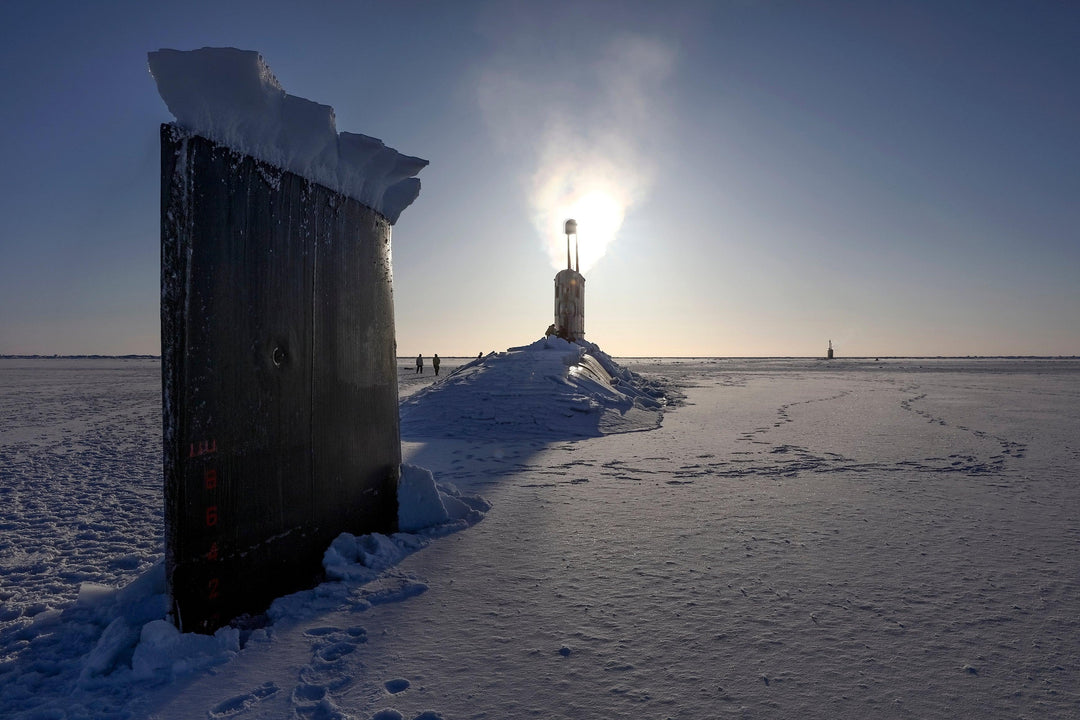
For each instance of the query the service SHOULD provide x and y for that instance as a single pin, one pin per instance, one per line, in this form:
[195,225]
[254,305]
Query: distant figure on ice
[419,363]
[435,363]
[479,354]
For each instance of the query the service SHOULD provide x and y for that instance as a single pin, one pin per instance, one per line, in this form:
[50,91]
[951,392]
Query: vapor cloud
[583,130]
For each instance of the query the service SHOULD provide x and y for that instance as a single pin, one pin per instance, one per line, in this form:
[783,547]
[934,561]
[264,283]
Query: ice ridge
[230,96]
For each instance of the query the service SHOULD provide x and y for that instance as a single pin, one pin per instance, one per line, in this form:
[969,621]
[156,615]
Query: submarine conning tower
[570,294]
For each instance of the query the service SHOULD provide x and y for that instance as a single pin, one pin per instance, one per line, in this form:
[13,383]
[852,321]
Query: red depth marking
[203,447]
[210,519]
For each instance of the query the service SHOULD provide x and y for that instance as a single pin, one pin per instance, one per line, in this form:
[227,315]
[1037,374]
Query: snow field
[799,539]
[80,478]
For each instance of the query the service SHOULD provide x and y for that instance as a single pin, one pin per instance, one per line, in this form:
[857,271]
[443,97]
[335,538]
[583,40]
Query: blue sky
[900,178]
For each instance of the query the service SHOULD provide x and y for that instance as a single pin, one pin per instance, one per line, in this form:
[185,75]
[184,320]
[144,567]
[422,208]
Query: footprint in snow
[304,694]
[396,685]
[327,672]
[391,714]
[237,704]
[335,651]
[320,631]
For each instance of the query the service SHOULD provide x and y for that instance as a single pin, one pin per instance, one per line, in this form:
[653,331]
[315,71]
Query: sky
[749,178]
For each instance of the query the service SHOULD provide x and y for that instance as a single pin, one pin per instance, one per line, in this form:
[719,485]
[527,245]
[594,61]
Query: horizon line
[136,356]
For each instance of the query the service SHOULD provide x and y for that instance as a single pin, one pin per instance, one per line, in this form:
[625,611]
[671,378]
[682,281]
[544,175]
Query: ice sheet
[799,539]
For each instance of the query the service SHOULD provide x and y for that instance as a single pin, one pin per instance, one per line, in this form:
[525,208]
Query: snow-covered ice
[551,389]
[797,538]
[231,97]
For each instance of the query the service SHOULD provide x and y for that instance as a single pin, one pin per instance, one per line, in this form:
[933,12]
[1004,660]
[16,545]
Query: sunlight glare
[599,209]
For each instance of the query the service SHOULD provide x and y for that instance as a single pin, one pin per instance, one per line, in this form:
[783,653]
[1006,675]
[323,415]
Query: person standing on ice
[419,364]
[435,363]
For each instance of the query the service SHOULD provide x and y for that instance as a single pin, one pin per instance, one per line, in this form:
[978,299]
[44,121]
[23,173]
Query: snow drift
[551,389]
[231,97]
[111,642]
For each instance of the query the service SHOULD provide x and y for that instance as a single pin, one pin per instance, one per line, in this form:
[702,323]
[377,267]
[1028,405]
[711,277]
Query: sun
[599,214]
[599,217]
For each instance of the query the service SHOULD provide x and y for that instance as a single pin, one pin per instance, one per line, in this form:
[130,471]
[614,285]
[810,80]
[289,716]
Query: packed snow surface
[797,539]
[551,389]
[231,97]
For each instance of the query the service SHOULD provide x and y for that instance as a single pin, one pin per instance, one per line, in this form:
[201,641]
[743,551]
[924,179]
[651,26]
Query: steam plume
[590,158]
